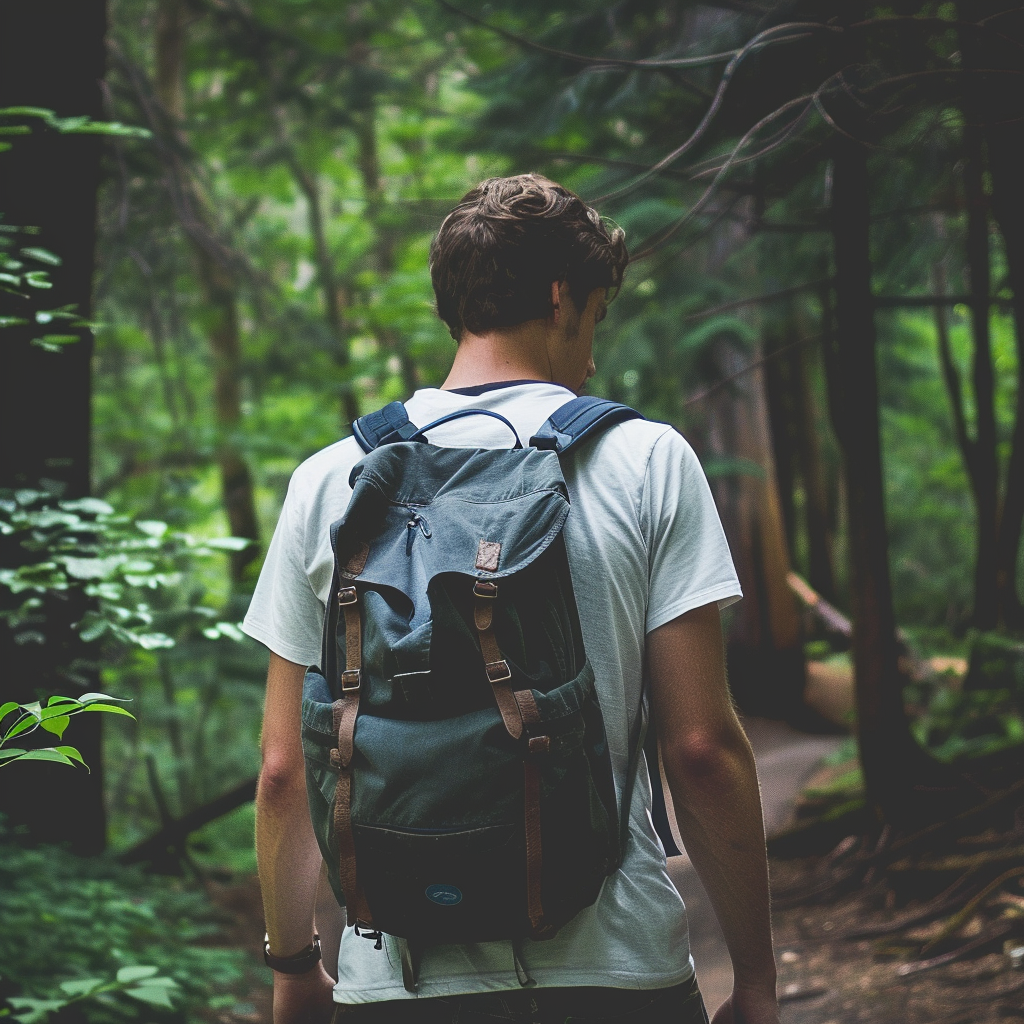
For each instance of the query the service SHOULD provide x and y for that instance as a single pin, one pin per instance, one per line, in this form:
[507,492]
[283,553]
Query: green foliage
[19,278]
[24,719]
[142,983]
[89,920]
[115,561]
[970,723]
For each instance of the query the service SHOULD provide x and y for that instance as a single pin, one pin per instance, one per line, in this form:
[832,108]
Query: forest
[215,217]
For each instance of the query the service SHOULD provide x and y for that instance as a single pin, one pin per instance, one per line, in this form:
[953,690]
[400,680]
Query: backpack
[459,778]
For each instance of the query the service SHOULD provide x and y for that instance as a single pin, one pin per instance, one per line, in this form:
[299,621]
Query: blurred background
[214,234]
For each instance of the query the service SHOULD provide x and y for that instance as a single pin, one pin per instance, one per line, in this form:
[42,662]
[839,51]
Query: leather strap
[346,711]
[499,675]
[538,749]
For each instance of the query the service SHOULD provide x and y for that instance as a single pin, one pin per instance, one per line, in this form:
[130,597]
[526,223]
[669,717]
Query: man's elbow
[706,761]
[282,779]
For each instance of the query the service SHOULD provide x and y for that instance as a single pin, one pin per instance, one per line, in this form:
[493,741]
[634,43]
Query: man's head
[498,253]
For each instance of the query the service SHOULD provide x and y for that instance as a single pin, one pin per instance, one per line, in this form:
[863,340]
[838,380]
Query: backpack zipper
[416,521]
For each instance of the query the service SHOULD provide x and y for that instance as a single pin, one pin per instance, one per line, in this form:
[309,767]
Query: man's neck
[520,353]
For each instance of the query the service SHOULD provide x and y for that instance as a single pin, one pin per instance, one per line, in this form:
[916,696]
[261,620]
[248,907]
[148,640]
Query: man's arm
[713,783]
[286,849]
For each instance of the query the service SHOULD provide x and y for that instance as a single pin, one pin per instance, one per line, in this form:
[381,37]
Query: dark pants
[681,1004]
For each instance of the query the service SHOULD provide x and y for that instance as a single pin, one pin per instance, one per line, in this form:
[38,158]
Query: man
[521,271]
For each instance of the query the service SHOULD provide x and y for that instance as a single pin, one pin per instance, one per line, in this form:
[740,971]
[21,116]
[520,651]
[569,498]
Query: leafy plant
[115,561]
[90,920]
[143,983]
[54,718]
[25,268]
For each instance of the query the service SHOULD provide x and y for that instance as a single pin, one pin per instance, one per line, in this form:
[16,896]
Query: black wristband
[300,963]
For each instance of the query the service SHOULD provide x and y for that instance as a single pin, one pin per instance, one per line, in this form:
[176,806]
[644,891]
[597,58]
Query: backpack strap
[345,713]
[578,419]
[385,426]
[566,426]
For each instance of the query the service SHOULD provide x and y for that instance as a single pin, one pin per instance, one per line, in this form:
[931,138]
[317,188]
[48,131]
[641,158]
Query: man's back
[644,546]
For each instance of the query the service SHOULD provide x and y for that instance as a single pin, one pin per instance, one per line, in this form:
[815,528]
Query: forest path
[786,759]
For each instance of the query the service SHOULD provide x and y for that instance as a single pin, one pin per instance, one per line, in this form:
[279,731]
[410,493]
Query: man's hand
[303,998]
[745,1006]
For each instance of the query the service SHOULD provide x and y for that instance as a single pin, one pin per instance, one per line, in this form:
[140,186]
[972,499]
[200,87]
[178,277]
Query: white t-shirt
[645,545]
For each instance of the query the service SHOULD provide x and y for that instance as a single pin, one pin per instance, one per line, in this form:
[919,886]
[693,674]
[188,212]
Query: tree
[52,56]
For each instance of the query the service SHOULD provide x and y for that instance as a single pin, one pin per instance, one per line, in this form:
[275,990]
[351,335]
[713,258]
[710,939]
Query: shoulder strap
[385,426]
[577,419]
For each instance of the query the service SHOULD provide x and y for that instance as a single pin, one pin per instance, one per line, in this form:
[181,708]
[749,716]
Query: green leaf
[42,256]
[11,279]
[136,973]
[45,754]
[91,698]
[10,753]
[12,321]
[151,994]
[228,543]
[15,129]
[34,1011]
[26,112]
[151,527]
[73,754]
[109,708]
[55,342]
[81,986]
[25,724]
[95,506]
[6,709]
[58,699]
[56,710]
[38,279]
[56,725]
[92,568]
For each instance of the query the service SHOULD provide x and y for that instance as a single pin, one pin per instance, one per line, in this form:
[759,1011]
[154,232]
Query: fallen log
[170,840]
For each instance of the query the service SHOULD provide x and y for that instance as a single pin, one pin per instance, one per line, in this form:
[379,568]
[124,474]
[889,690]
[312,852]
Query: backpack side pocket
[318,740]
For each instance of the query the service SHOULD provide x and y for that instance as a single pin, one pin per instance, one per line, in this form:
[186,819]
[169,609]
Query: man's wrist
[298,963]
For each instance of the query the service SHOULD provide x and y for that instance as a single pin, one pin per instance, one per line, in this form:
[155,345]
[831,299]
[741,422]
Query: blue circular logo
[443,895]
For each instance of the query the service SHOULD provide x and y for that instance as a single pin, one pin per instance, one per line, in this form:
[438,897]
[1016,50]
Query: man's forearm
[289,862]
[713,785]
[718,810]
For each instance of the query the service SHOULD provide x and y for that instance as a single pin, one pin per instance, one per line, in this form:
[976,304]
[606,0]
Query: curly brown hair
[497,253]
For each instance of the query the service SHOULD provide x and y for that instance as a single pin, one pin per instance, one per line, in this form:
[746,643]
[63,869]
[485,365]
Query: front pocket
[444,886]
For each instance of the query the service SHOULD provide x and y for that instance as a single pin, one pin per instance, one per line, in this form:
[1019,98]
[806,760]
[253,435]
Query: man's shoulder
[328,469]
[640,446]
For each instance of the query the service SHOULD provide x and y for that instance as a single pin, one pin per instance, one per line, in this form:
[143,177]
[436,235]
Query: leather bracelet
[300,963]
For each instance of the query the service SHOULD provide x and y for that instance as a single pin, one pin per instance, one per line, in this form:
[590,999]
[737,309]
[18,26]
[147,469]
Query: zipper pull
[416,520]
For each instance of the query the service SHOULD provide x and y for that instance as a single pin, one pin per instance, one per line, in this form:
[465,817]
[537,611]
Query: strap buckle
[347,595]
[498,671]
[485,588]
[350,679]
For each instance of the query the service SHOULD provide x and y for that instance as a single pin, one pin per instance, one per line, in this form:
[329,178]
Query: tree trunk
[329,286]
[1006,160]
[51,56]
[765,651]
[980,453]
[891,759]
[218,281]
[820,569]
[383,255]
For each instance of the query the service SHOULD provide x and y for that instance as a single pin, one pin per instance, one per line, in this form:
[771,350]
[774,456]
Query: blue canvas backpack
[458,772]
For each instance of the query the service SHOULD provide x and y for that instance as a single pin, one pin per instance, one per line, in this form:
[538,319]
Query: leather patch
[487,554]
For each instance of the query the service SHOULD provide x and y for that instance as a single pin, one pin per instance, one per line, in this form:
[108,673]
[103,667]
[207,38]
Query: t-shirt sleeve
[285,614]
[689,561]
